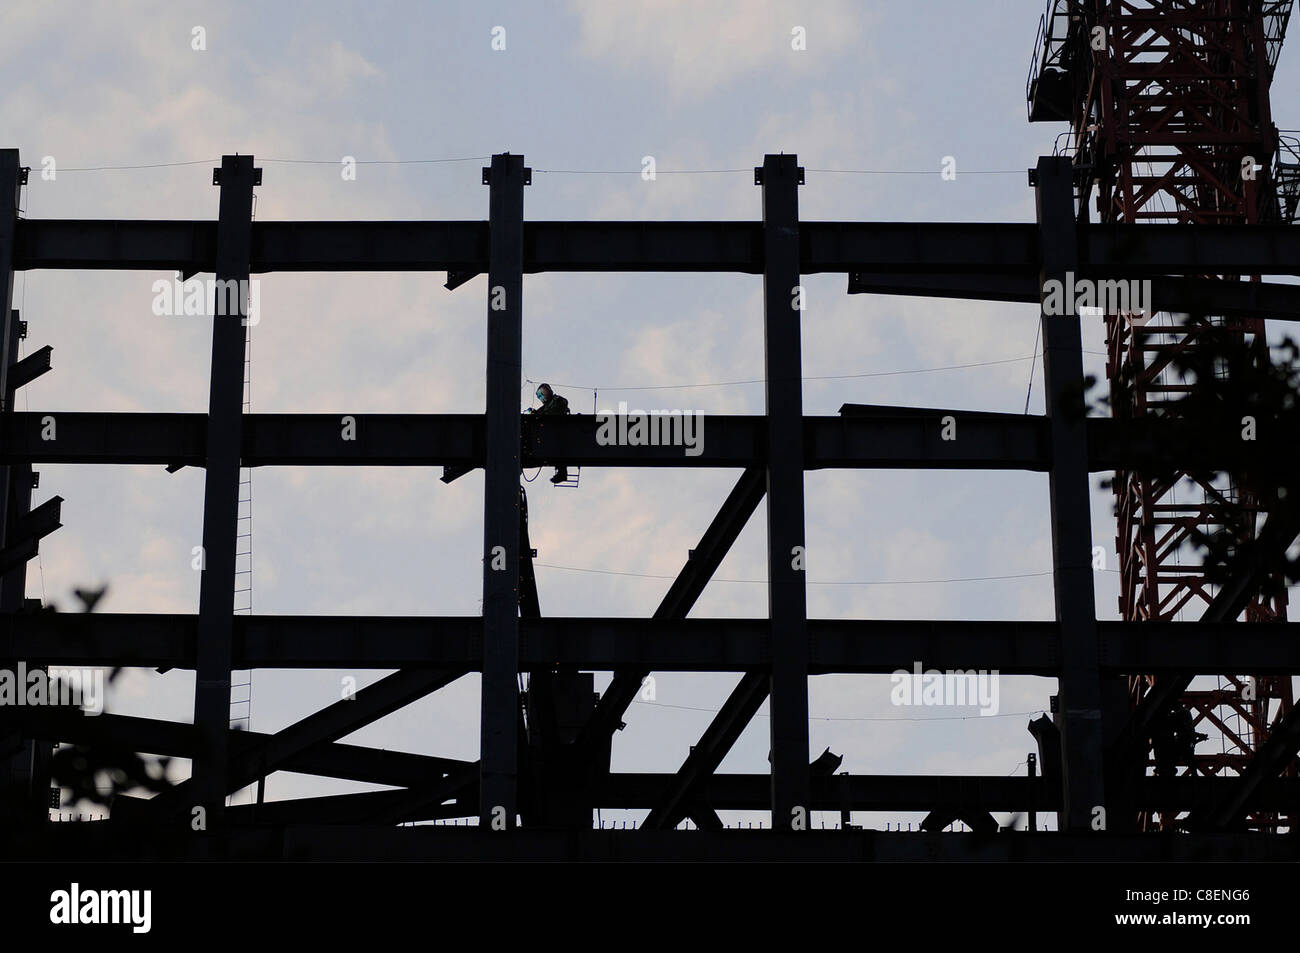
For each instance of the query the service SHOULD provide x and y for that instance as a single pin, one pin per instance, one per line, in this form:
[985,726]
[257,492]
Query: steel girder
[993,260]
[432,777]
[914,248]
[861,437]
[874,646]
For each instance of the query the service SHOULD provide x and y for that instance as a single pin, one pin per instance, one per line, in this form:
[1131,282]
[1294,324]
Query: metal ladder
[241,682]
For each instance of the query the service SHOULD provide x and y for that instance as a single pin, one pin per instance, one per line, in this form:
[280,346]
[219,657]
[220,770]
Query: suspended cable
[819,377]
[379,161]
[763,714]
[811,582]
[825,377]
[1037,335]
[748,170]
[126,168]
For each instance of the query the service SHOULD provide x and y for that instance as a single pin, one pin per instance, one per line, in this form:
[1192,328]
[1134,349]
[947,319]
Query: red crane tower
[1170,122]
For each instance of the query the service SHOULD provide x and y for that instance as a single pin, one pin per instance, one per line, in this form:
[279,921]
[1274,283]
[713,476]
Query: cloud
[699,48]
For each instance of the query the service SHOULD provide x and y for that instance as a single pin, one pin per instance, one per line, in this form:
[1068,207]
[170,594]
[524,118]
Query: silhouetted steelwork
[545,750]
[221,495]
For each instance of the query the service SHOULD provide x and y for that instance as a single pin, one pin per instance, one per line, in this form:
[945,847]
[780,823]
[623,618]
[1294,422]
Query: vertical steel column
[1080,683]
[10,189]
[16,479]
[19,769]
[780,177]
[31,766]
[221,493]
[499,733]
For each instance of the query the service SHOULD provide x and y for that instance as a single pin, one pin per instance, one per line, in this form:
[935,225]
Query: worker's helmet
[544,392]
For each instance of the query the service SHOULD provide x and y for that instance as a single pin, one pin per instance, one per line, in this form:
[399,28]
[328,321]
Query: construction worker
[552,403]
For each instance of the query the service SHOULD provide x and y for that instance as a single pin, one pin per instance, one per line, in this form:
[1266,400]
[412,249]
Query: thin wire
[742,171]
[749,171]
[1037,335]
[825,377]
[380,161]
[123,168]
[866,582]
[763,714]
[171,165]
[821,377]
[870,582]
[920,171]
[522,473]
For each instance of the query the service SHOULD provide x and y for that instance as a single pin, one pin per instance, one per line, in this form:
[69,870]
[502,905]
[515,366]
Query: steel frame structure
[544,761]
[1170,121]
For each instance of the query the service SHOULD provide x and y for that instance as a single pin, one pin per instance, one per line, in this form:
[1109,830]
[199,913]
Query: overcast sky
[581,89]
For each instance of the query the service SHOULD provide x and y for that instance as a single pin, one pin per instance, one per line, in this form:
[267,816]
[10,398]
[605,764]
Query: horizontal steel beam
[1135,251]
[862,437]
[369,439]
[1256,299]
[94,244]
[751,792]
[641,790]
[369,246]
[268,439]
[1018,288]
[1009,442]
[75,437]
[841,247]
[670,645]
